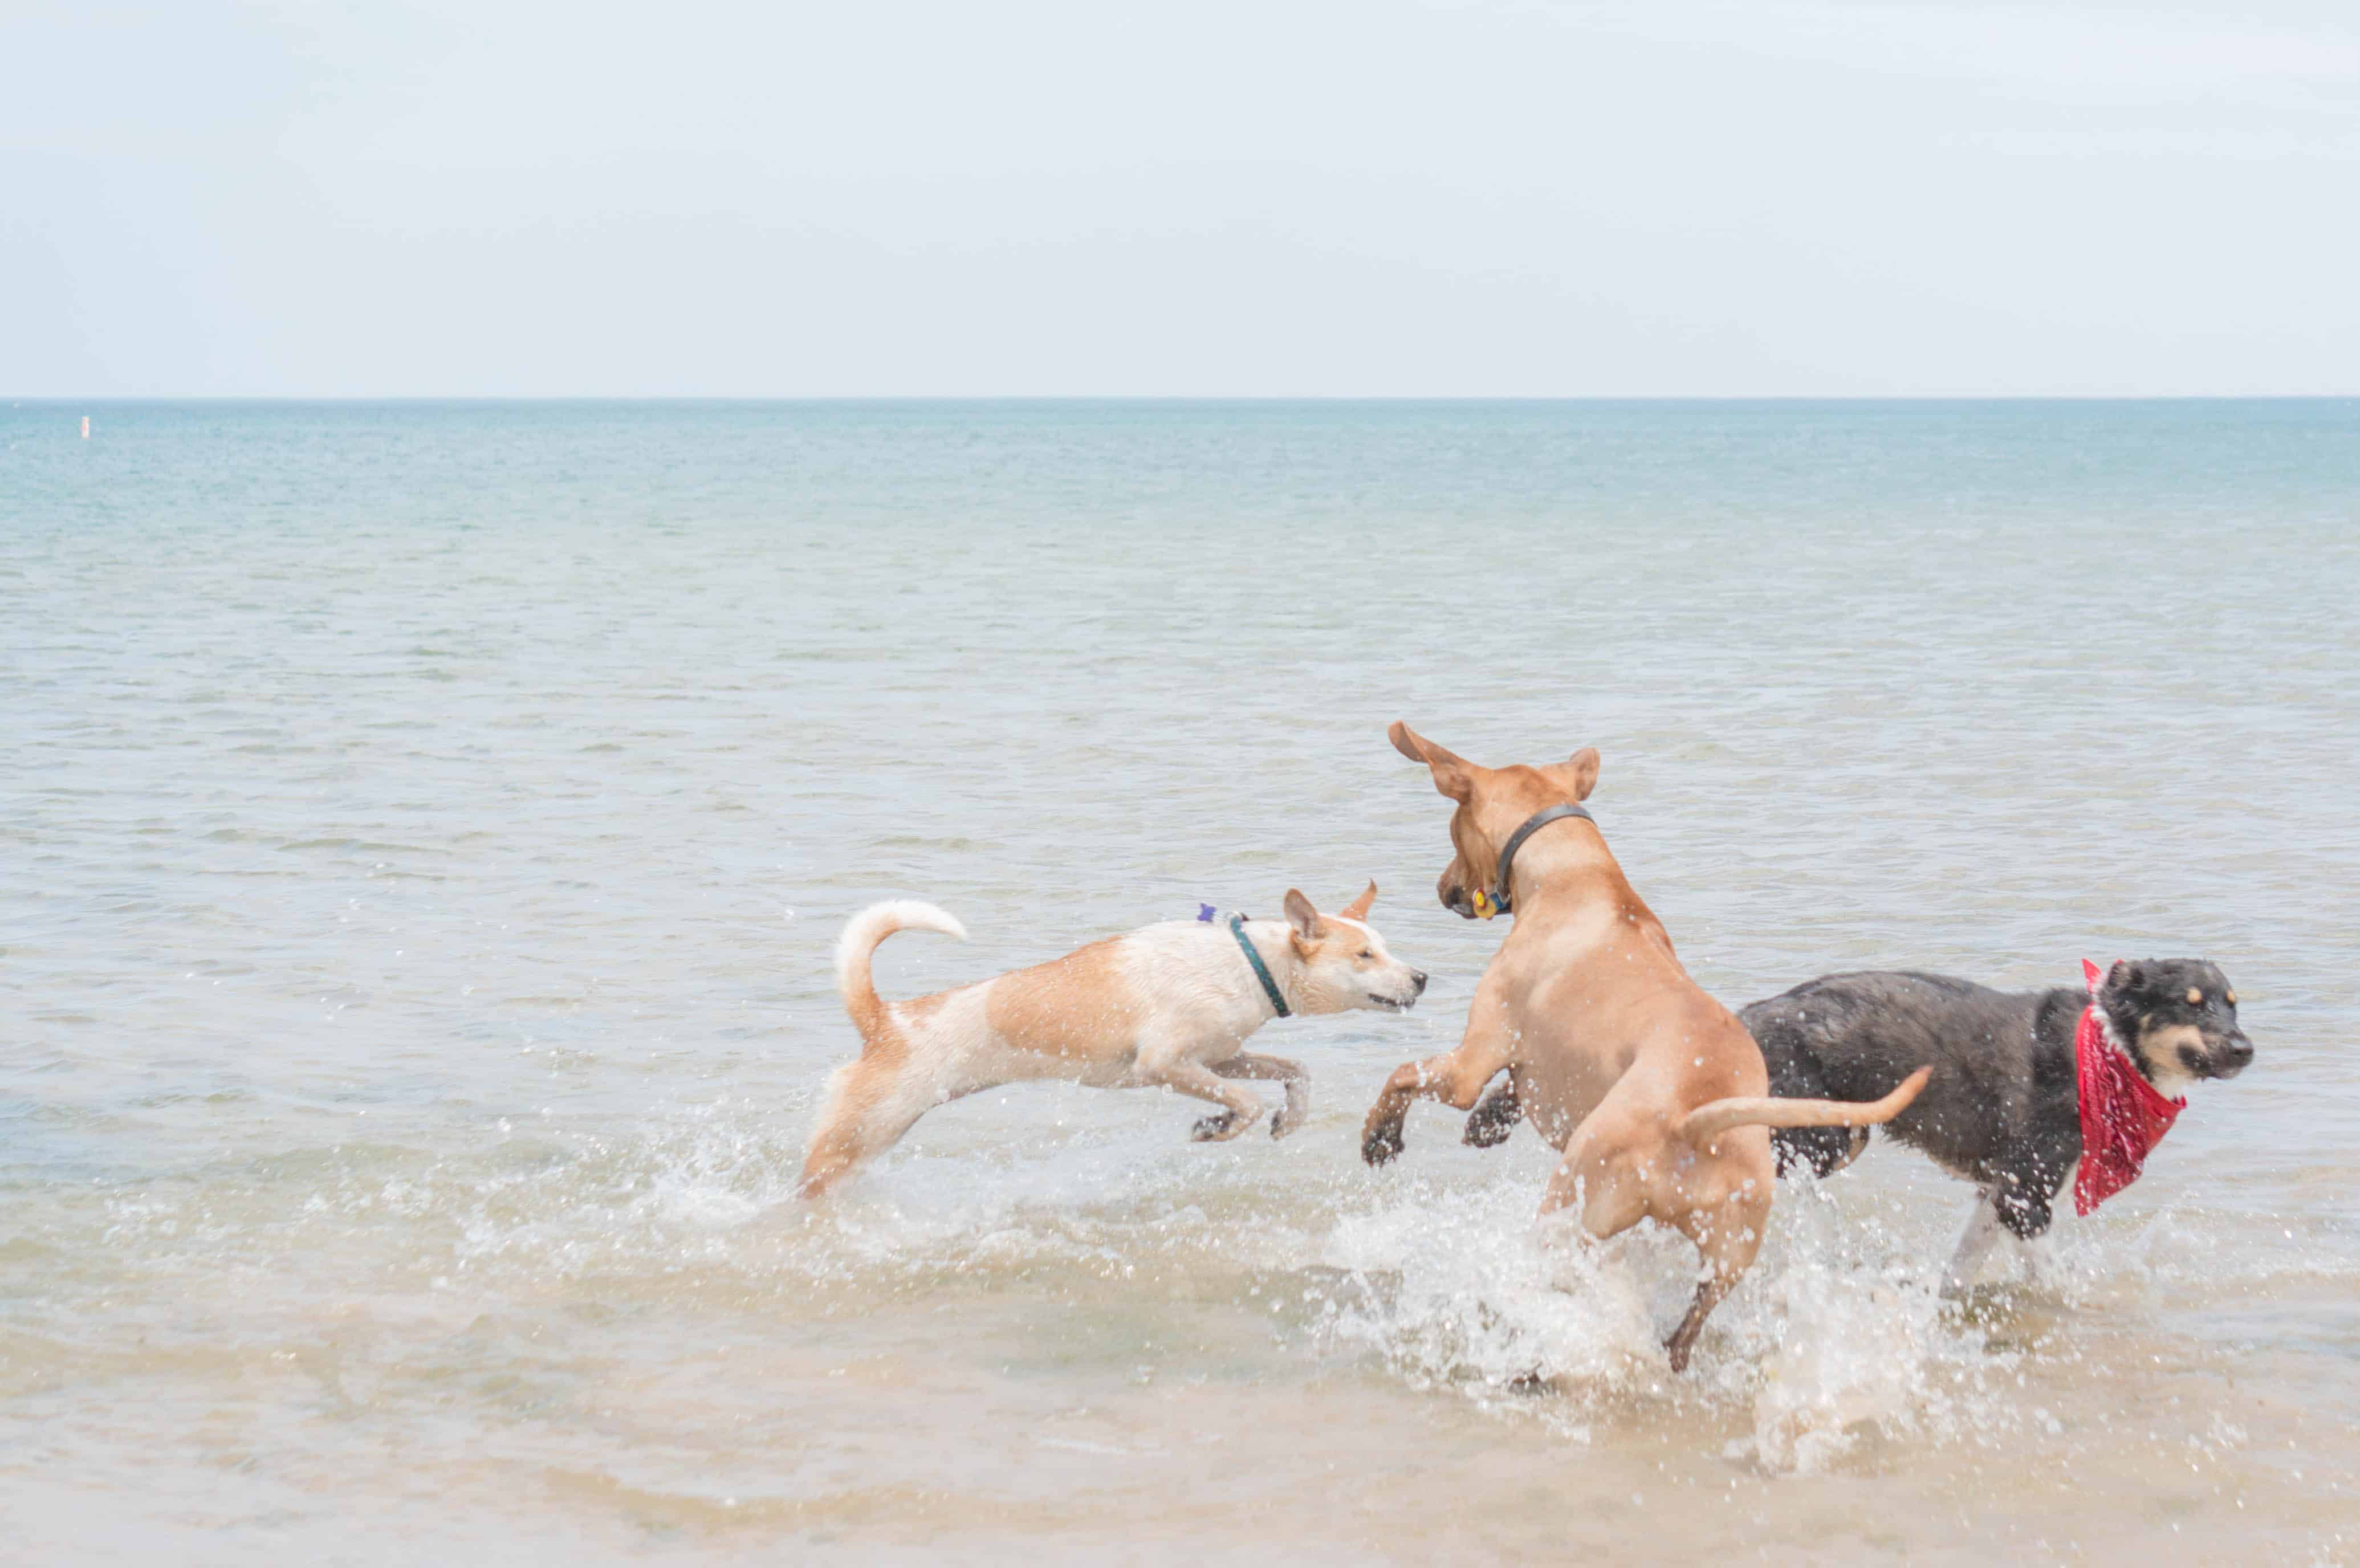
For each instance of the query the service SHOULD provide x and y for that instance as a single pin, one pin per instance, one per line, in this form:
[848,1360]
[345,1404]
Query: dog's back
[2003,1063]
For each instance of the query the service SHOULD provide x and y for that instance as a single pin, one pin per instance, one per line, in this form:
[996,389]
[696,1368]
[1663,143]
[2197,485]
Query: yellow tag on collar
[1483,904]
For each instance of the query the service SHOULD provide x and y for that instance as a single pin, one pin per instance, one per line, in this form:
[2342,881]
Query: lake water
[425,828]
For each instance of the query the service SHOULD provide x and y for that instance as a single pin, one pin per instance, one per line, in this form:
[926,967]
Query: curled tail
[1717,1116]
[861,934]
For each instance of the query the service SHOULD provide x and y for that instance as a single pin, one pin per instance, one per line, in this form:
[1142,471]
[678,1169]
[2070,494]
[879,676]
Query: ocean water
[424,828]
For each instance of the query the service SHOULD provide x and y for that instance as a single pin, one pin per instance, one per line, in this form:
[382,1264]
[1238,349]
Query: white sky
[1362,197]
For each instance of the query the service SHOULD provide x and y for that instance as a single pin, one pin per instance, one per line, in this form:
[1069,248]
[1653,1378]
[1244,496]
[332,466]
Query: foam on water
[1835,1344]
[1836,1335]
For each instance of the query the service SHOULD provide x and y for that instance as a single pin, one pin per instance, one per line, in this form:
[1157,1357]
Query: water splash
[1836,1345]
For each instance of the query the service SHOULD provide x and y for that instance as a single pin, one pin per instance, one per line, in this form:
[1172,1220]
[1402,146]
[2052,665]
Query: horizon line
[19,401]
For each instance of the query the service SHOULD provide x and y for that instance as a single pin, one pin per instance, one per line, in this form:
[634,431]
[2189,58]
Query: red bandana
[2122,1116]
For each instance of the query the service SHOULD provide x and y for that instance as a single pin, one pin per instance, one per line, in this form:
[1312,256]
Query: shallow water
[425,827]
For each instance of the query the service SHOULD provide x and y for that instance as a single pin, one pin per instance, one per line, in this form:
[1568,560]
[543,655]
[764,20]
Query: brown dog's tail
[861,934]
[1717,1116]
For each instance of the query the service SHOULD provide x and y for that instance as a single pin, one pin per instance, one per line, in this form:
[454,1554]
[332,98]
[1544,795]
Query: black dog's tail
[1717,1116]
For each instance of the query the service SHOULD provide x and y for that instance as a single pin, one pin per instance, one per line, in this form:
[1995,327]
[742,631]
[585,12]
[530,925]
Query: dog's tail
[861,934]
[1717,1116]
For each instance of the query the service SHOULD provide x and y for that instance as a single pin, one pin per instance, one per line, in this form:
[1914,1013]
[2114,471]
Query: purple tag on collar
[1204,913]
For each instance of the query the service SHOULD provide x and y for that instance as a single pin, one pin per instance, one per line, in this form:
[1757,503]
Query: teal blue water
[425,826]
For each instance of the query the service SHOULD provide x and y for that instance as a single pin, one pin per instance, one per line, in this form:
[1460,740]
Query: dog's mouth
[2223,1061]
[1394,1004]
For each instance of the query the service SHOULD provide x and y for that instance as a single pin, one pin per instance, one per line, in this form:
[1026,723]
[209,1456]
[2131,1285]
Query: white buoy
[85,427]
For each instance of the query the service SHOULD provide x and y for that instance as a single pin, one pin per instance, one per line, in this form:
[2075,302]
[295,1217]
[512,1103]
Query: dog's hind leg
[1194,1078]
[869,1107]
[1617,1171]
[1245,1065]
[1725,1215]
[1975,1245]
[1729,1234]
[1489,1123]
[1607,1197]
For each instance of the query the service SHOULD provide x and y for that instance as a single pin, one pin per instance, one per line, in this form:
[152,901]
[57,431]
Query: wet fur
[1652,1092]
[2003,1110]
[1167,1006]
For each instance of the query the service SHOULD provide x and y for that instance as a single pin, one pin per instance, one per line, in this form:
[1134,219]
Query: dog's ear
[1578,772]
[1302,916]
[1357,910]
[2124,976]
[1453,774]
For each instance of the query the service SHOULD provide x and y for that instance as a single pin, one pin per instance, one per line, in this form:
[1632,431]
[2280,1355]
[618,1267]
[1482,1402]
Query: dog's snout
[1417,984]
[2236,1054]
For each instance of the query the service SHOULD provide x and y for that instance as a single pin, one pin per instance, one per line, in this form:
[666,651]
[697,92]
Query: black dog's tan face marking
[2179,1017]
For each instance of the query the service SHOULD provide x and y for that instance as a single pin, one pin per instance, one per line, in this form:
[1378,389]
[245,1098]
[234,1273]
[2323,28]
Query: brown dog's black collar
[1502,900]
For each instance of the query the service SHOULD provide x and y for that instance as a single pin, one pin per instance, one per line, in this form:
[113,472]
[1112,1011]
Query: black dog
[2003,1110]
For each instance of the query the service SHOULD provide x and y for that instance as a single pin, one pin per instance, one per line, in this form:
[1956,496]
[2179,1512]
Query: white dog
[1168,1005]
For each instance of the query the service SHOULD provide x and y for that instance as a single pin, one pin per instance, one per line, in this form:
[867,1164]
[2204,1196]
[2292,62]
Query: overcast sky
[1362,197]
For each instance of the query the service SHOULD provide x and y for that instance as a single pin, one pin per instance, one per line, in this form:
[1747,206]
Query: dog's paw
[1486,1132]
[1490,1124]
[1224,1127]
[1380,1147]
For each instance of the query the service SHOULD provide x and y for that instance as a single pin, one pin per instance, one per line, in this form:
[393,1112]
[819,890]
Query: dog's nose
[1417,984]
[2236,1053]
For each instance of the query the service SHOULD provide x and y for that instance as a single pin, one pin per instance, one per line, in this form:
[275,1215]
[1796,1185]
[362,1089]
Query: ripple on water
[318,706]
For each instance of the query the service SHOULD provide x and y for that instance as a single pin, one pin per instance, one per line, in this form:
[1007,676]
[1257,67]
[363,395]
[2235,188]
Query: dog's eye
[1366,953]
[2195,996]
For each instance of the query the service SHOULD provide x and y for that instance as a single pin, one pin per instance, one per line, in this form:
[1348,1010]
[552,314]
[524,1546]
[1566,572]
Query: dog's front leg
[1975,1244]
[1456,1079]
[2041,1269]
[1489,1124]
[1194,1078]
[1245,1065]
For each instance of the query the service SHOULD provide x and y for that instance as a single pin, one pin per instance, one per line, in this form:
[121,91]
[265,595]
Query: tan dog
[1167,1004]
[1656,1095]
